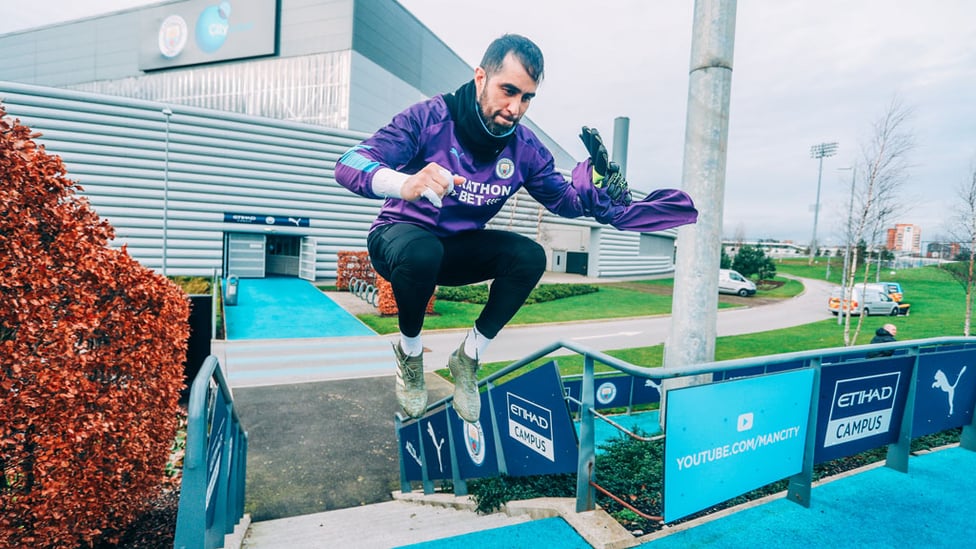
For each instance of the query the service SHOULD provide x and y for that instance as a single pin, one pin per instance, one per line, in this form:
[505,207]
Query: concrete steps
[379,526]
[261,362]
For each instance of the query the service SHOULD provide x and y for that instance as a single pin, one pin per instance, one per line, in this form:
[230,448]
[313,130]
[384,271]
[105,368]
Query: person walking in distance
[445,167]
[884,334]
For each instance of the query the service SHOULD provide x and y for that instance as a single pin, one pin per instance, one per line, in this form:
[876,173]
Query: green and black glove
[605,173]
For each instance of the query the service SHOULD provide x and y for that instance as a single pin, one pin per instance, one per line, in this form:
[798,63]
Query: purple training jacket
[424,133]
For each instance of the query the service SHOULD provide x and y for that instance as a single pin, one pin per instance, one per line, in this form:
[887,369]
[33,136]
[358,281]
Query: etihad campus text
[742,446]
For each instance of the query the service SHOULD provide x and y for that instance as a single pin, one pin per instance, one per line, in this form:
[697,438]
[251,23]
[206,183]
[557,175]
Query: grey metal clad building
[207,132]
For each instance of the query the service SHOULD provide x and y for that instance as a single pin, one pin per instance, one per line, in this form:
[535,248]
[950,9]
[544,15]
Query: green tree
[751,260]
[725,262]
[767,269]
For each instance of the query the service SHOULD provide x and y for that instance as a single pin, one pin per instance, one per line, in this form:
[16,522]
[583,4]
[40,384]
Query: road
[516,342]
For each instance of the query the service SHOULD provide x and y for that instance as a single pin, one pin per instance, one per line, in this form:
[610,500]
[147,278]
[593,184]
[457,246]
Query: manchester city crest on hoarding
[474,441]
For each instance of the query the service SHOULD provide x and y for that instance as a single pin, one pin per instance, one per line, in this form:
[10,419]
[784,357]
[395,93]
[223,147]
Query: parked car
[893,289]
[731,282]
[864,299]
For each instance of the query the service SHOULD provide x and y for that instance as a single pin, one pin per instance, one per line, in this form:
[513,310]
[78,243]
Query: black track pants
[415,261]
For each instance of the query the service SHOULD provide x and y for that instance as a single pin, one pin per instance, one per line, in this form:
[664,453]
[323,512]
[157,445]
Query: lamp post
[847,248]
[819,152]
[168,113]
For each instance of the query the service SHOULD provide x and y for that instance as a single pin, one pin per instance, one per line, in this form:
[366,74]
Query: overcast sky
[804,72]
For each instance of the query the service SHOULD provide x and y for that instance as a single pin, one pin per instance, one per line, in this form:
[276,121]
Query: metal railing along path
[214,467]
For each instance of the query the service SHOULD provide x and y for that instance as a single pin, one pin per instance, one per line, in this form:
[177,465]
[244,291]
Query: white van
[731,282]
[869,299]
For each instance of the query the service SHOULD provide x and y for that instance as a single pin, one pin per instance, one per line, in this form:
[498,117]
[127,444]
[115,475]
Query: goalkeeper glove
[606,174]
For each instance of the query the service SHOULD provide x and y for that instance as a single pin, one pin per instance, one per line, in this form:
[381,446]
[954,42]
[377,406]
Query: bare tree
[740,235]
[964,230]
[875,200]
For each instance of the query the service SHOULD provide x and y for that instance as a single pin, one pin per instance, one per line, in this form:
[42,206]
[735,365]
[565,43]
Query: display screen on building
[205,31]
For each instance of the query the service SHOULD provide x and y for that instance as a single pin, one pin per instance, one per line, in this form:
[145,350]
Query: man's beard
[494,128]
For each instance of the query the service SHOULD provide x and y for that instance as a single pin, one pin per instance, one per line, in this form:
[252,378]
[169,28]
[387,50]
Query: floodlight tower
[819,152]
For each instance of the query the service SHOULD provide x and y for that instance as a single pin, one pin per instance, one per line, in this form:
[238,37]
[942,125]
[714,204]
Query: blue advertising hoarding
[946,391]
[861,406]
[617,391]
[537,433]
[434,437]
[646,390]
[725,439]
[474,444]
[410,451]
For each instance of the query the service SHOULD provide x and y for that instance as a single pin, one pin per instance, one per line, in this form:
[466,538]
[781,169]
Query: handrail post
[801,484]
[425,482]
[496,432]
[404,483]
[585,472]
[899,451]
[240,478]
[460,485]
[968,438]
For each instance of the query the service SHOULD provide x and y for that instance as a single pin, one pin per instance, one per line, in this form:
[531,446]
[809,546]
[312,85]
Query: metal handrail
[212,491]
[613,423]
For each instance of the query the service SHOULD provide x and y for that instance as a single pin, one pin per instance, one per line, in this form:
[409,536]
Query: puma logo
[942,382]
[433,439]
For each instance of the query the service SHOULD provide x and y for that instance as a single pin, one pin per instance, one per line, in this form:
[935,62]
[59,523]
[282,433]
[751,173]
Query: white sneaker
[467,400]
[411,390]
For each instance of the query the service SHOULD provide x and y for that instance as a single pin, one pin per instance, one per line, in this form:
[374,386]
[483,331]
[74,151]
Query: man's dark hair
[524,49]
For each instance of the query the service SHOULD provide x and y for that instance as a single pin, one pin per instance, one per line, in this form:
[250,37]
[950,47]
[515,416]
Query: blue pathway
[930,506]
[285,308]
[648,423]
[551,533]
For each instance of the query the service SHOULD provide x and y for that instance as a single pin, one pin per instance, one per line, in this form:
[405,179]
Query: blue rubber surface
[930,506]
[285,308]
[647,422]
[551,533]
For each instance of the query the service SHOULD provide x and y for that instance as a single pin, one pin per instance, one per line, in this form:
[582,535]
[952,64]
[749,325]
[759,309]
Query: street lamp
[168,113]
[819,152]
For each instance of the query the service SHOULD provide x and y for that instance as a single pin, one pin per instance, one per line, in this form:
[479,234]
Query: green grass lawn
[610,302]
[937,302]
[938,308]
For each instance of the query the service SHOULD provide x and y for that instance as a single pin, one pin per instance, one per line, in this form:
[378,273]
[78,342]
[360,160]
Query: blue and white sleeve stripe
[353,159]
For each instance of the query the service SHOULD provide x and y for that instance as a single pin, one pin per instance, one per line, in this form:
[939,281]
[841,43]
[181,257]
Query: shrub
[551,292]
[491,493]
[193,285]
[752,260]
[91,361]
[634,471]
[478,293]
[472,293]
